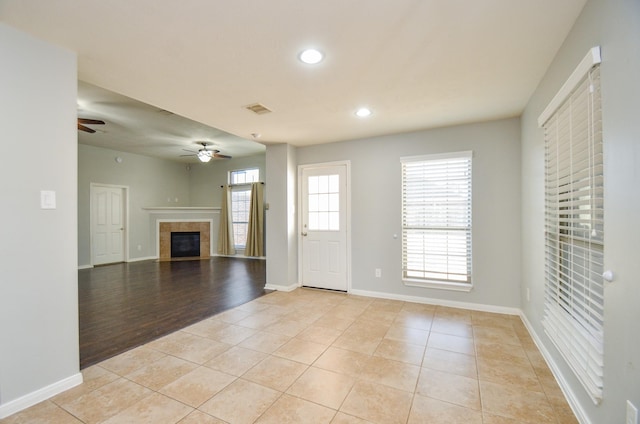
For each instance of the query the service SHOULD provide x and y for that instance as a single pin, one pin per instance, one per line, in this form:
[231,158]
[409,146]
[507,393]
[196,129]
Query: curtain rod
[242,184]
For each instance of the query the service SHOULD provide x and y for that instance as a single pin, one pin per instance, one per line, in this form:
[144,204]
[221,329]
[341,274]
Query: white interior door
[107,224]
[324,226]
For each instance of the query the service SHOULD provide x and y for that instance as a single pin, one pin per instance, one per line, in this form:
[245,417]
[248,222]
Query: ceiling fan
[205,154]
[84,121]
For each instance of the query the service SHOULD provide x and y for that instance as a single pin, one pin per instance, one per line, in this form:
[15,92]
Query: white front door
[107,224]
[324,226]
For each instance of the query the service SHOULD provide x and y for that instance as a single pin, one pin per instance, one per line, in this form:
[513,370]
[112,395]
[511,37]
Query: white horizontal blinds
[436,218]
[240,203]
[574,209]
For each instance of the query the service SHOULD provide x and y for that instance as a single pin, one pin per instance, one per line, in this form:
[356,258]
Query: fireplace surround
[166,228]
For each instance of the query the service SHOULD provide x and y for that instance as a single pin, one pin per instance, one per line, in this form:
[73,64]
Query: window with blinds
[240,181]
[574,237]
[436,220]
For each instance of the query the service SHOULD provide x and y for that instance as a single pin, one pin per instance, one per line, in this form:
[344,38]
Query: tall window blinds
[574,221]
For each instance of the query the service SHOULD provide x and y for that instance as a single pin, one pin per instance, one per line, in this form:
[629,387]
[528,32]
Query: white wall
[151,182]
[376,217]
[615,26]
[280,220]
[38,253]
[206,178]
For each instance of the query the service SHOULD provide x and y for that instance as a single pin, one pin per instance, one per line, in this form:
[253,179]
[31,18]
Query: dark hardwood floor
[125,305]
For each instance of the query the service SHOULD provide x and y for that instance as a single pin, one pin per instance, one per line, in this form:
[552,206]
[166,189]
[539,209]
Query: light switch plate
[47,199]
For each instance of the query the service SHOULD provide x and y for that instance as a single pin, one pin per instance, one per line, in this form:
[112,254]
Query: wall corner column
[281,219]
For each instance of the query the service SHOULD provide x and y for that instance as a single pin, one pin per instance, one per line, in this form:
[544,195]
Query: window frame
[233,172]
[458,218]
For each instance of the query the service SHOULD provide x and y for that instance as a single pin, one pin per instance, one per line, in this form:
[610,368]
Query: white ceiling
[416,63]
[136,127]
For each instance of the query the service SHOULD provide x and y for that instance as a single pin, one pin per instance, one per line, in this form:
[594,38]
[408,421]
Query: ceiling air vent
[258,109]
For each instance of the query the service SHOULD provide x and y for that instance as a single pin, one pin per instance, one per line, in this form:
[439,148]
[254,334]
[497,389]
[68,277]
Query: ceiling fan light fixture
[204,155]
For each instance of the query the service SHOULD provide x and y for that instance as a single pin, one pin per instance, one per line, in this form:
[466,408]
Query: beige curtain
[255,232]
[225,231]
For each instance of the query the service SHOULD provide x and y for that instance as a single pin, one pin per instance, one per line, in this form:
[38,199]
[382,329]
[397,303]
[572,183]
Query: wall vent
[258,109]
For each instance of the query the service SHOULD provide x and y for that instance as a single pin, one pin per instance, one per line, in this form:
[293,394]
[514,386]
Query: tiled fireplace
[166,228]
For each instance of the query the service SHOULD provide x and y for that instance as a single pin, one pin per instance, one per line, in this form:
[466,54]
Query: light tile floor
[311,356]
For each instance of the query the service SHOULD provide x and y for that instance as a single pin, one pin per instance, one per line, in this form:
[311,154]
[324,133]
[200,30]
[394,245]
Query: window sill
[442,285]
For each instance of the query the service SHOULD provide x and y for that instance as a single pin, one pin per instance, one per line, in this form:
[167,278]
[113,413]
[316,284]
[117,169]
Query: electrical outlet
[528,295]
[378,273]
[632,413]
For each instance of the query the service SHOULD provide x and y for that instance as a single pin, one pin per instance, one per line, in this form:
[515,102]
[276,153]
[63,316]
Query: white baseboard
[277,287]
[39,395]
[262,258]
[146,258]
[562,382]
[152,258]
[439,302]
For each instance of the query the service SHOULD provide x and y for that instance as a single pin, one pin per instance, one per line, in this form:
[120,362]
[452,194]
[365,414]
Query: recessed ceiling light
[363,112]
[311,56]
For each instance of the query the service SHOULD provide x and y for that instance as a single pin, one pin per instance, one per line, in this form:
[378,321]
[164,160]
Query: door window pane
[323,202]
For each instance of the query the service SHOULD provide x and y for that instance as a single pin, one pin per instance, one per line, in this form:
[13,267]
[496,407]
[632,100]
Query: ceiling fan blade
[216,155]
[190,151]
[187,155]
[90,121]
[85,129]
